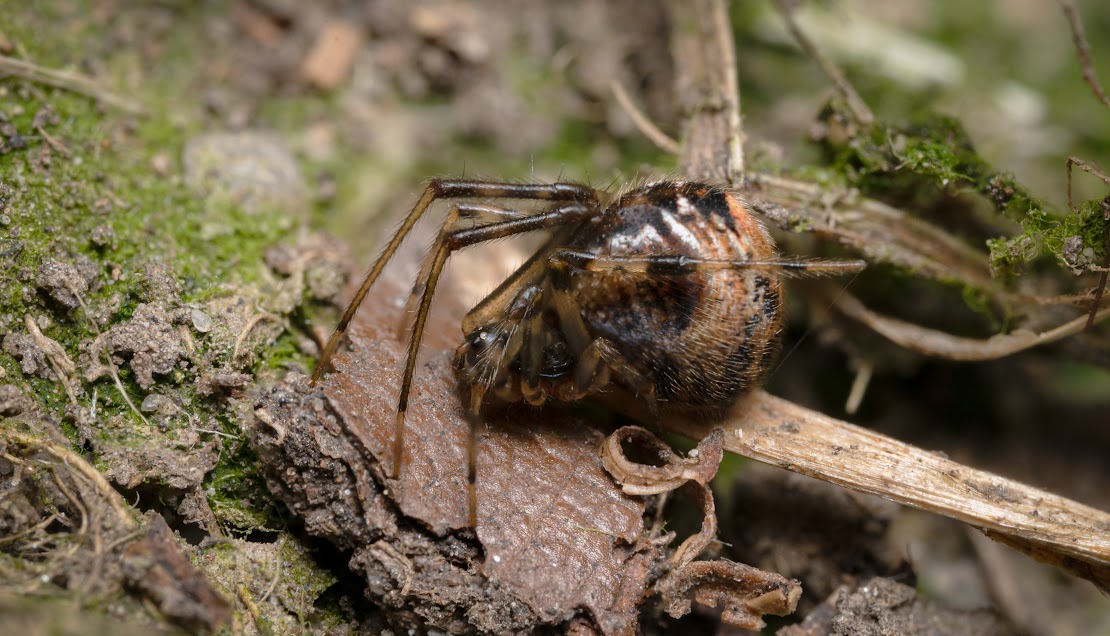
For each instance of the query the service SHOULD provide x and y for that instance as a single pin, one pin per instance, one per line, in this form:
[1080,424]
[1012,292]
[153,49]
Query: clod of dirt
[155,566]
[818,533]
[313,268]
[32,357]
[159,282]
[102,236]
[211,383]
[65,282]
[177,460]
[882,607]
[150,339]
[13,402]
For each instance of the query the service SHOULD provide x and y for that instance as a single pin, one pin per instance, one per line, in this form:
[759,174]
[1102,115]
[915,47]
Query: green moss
[917,165]
[236,492]
[92,191]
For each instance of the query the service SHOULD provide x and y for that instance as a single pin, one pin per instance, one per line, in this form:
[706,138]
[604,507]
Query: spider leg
[531,359]
[450,241]
[480,212]
[599,361]
[667,265]
[444,189]
[1084,166]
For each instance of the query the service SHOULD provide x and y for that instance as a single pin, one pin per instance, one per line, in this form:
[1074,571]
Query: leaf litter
[556,538]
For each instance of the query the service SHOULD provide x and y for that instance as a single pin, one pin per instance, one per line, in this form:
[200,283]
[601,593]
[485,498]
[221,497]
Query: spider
[671,292]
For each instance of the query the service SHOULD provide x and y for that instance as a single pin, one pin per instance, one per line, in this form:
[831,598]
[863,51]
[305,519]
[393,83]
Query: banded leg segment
[451,239]
[444,189]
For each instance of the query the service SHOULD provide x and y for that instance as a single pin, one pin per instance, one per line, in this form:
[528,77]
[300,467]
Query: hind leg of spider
[599,363]
[444,189]
[681,265]
[452,239]
[1097,301]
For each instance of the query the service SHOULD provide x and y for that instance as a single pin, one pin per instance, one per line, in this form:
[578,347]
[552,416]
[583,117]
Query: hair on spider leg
[1090,77]
[671,291]
[1096,302]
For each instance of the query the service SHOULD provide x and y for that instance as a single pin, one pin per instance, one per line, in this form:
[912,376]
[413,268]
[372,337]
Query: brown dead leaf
[556,531]
[554,526]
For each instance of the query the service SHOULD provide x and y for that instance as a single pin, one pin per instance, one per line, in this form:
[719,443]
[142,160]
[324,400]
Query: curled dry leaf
[744,593]
[645,479]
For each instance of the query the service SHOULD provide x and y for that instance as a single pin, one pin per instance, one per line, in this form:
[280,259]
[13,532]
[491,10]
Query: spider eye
[479,341]
[474,348]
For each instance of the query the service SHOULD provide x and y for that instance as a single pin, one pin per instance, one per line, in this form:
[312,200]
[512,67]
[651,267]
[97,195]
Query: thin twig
[256,614]
[277,573]
[1083,49]
[945,345]
[65,80]
[1029,612]
[251,324]
[56,354]
[642,123]
[880,231]
[856,105]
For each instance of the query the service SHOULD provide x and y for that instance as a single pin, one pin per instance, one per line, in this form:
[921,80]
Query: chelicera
[671,292]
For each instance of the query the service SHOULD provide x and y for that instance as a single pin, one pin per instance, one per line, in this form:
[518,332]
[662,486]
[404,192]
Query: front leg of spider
[570,202]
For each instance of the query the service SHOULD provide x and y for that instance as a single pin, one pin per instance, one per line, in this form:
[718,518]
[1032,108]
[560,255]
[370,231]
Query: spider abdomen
[704,337]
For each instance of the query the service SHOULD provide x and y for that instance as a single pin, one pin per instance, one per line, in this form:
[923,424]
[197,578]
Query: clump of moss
[930,162]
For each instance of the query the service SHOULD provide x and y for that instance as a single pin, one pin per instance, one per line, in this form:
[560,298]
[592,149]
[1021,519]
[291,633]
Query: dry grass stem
[65,80]
[772,430]
[707,91]
[932,342]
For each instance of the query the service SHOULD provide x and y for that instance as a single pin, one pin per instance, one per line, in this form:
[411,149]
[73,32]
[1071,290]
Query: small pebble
[202,322]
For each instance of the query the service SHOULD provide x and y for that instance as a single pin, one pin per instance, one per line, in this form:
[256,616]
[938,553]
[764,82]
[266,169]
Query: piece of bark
[156,567]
